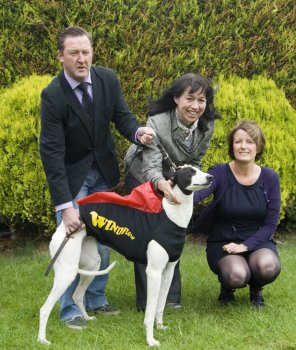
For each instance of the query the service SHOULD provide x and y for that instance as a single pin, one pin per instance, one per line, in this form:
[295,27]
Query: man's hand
[71,219]
[166,188]
[145,135]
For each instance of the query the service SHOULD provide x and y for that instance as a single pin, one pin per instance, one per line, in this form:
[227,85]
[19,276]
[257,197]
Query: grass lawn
[201,323]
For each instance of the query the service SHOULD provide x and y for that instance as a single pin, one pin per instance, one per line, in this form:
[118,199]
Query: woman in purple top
[242,217]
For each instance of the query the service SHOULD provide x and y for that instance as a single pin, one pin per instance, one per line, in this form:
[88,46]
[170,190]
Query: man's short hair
[72,31]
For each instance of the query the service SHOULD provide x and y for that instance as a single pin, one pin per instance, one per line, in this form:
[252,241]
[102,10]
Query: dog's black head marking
[182,177]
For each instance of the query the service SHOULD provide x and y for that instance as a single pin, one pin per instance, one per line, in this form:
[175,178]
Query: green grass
[201,323]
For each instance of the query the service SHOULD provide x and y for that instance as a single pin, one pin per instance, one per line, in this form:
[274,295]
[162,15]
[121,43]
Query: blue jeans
[95,293]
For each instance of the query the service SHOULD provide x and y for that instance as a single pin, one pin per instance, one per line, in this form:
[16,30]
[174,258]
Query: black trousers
[174,295]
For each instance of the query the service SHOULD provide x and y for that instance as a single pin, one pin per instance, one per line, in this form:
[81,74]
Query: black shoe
[76,322]
[173,305]
[226,296]
[106,310]
[256,297]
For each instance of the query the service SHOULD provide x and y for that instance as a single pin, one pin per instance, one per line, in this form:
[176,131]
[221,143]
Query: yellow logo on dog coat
[109,225]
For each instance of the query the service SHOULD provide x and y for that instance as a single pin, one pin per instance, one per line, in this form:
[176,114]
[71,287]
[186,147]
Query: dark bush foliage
[149,43]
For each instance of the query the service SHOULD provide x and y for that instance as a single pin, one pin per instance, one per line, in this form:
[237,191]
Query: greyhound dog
[162,245]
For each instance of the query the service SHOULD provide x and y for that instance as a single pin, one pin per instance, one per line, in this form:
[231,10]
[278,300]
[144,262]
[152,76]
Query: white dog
[80,254]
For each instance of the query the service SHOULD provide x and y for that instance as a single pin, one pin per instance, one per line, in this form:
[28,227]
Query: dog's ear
[173,174]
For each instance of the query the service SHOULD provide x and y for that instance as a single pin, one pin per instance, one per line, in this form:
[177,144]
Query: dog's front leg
[153,286]
[166,281]
[157,260]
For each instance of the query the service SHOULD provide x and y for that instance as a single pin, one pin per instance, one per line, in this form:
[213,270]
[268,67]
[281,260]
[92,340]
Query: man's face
[77,57]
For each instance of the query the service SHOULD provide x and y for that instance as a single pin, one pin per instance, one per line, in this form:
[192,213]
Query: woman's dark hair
[195,82]
[254,131]
[72,31]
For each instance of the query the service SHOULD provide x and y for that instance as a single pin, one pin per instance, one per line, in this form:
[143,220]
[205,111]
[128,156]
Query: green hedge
[24,195]
[151,42]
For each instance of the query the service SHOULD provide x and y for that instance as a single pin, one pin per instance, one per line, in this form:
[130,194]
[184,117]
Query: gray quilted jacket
[145,162]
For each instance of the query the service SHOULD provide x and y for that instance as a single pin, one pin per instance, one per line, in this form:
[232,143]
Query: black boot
[256,297]
[226,296]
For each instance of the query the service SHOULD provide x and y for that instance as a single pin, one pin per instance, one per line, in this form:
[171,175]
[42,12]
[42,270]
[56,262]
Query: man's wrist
[64,206]
[137,136]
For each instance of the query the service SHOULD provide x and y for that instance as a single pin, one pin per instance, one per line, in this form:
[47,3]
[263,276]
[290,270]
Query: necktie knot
[83,87]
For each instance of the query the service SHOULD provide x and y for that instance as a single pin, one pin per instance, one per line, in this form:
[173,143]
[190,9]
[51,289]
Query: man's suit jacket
[68,142]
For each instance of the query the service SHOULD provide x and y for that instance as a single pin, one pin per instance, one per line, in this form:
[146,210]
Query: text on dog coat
[109,225]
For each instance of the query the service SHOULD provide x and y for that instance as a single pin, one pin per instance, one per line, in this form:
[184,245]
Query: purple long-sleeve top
[218,187]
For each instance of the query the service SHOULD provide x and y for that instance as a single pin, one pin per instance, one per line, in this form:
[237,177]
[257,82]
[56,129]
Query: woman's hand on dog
[166,187]
[71,219]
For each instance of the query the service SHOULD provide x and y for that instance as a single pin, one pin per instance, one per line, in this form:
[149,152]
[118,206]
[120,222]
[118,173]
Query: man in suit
[77,149]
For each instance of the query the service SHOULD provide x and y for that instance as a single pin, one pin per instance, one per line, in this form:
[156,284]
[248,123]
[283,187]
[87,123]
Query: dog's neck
[181,213]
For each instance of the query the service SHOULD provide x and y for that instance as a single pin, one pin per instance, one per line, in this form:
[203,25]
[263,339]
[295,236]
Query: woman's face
[191,106]
[244,147]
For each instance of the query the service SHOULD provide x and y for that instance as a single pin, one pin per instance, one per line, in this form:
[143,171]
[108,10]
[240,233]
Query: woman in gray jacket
[183,119]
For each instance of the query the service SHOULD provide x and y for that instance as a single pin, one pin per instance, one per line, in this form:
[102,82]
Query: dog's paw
[153,342]
[161,326]
[44,341]
[90,318]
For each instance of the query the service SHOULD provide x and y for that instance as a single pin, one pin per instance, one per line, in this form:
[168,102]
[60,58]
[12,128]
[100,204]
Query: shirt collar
[74,83]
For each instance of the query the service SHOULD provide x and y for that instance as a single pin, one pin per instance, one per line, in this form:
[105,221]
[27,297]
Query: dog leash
[166,156]
[53,260]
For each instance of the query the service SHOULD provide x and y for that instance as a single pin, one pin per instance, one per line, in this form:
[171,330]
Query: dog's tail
[97,273]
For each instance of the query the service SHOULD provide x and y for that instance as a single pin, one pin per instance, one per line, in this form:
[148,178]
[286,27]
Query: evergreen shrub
[24,195]
[150,42]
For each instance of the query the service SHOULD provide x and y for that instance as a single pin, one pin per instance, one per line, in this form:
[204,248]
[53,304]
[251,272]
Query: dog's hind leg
[90,260]
[157,260]
[65,271]
[78,295]
[166,281]
[61,283]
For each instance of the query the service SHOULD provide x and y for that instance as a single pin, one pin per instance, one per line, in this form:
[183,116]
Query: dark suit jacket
[68,143]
